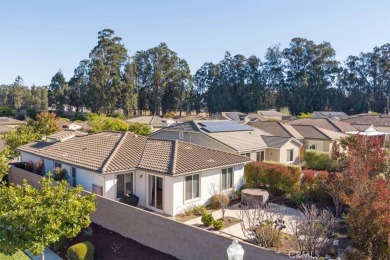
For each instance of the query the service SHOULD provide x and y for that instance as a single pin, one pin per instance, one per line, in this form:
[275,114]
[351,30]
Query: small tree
[23,135]
[3,165]
[311,232]
[263,224]
[333,185]
[33,219]
[223,201]
[140,129]
[46,123]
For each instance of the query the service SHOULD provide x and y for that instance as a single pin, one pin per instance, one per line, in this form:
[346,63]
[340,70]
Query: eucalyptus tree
[78,85]
[128,94]
[160,73]
[311,70]
[106,62]
[58,91]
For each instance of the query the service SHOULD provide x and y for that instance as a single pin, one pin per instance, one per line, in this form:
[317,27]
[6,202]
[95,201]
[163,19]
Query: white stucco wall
[283,153]
[208,180]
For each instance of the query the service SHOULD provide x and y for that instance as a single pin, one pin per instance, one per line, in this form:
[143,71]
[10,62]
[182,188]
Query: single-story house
[156,122]
[319,139]
[337,115]
[381,122]
[8,124]
[168,176]
[232,137]
[324,123]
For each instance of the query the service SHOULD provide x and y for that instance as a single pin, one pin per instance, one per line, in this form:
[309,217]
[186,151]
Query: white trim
[199,189]
[147,193]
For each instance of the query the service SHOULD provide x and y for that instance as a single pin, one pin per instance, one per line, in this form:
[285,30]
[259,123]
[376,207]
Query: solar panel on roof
[224,126]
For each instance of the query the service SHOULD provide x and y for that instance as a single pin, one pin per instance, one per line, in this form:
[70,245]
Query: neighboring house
[319,139]
[156,122]
[64,135]
[235,116]
[324,123]
[235,138]
[69,125]
[330,114]
[270,115]
[10,122]
[280,129]
[381,122]
[168,176]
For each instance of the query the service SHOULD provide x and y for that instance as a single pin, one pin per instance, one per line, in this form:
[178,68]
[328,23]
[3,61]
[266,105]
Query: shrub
[39,167]
[317,160]
[298,198]
[277,178]
[207,219]
[214,202]
[311,185]
[88,231]
[57,246]
[218,224]
[196,210]
[59,174]
[170,115]
[21,117]
[79,116]
[81,251]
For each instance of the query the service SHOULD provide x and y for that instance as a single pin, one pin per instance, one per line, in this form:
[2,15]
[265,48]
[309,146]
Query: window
[57,165]
[192,187]
[260,156]
[227,178]
[290,155]
[124,184]
[246,154]
[181,135]
[73,177]
[316,145]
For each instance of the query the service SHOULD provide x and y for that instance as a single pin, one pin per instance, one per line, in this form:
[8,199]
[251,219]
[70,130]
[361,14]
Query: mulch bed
[104,240]
[229,221]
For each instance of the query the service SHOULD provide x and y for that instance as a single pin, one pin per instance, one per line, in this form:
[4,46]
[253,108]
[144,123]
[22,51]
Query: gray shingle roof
[313,132]
[277,129]
[275,141]
[324,123]
[108,152]
[376,120]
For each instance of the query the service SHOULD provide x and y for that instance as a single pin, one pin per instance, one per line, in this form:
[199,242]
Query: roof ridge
[114,152]
[332,123]
[322,132]
[285,128]
[174,157]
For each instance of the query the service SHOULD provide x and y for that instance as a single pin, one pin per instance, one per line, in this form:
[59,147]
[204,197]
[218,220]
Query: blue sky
[41,37]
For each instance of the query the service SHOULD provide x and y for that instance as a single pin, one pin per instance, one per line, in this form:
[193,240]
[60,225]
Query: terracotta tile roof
[108,152]
[64,135]
[11,121]
[324,123]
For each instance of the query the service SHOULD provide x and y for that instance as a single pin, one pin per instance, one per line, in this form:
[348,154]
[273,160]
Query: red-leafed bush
[276,178]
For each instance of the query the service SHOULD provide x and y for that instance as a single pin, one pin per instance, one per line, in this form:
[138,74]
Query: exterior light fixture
[235,251]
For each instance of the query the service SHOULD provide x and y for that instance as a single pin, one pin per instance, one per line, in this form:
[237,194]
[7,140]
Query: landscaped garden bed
[111,245]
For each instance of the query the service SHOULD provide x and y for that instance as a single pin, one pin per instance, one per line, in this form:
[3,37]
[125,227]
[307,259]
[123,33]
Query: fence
[166,235]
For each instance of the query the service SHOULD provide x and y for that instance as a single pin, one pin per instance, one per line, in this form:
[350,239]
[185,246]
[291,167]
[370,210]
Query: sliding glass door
[155,192]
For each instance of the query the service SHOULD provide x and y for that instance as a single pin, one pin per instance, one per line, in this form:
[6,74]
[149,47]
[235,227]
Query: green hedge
[81,251]
[319,161]
[277,178]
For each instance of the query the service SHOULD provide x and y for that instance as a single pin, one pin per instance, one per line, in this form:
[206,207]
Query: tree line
[304,77]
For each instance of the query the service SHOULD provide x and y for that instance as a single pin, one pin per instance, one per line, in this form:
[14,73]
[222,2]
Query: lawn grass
[17,256]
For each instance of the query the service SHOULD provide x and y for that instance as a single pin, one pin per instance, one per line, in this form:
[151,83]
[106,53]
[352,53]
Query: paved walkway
[49,255]
[235,230]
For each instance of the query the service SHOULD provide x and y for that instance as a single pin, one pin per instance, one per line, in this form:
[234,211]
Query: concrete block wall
[158,232]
